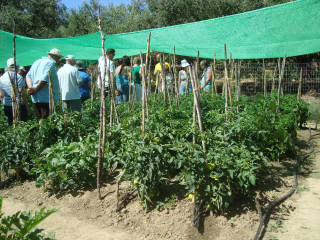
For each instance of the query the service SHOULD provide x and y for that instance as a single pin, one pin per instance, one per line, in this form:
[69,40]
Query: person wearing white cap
[38,82]
[184,78]
[5,92]
[69,81]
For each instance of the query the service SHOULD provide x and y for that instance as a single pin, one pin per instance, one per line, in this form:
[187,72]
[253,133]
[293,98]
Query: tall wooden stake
[299,87]
[237,85]
[264,79]
[102,112]
[213,67]
[281,74]
[163,77]
[226,81]
[15,86]
[175,76]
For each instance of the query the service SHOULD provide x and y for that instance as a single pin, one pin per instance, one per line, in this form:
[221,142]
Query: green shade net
[292,28]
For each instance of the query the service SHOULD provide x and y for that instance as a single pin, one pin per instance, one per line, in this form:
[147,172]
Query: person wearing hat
[184,78]
[85,87]
[22,71]
[69,81]
[6,92]
[38,82]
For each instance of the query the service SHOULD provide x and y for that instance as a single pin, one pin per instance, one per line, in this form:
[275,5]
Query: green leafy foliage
[67,165]
[22,225]
[238,149]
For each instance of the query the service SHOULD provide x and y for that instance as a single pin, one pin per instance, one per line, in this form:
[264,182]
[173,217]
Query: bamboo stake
[229,83]
[130,84]
[51,97]
[175,76]
[280,79]
[112,77]
[148,59]
[264,79]
[213,67]
[197,105]
[13,99]
[232,73]
[143,97]
[102,113]
[239,76]
[197,70]
[299,88]
[226,82]
[273,73]
[149,76]
[18,93]
[163,78]
[92,89]
[237,85]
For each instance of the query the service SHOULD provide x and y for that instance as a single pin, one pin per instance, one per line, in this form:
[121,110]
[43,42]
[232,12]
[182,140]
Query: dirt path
[303,222]
[66,226]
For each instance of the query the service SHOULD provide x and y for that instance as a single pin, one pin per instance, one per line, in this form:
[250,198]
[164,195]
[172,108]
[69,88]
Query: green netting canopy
[293,28]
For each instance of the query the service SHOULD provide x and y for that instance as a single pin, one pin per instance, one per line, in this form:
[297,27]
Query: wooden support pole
[197,69]
[175,76]
[213,67]
[229,83]
[163,78]
[299,87]
[273,73]
[102,113]
[237,85]
[264,79]
[225,82]
[18,93]
[280,79]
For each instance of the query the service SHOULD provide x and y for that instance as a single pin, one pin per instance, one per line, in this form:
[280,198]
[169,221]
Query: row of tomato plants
[62,153]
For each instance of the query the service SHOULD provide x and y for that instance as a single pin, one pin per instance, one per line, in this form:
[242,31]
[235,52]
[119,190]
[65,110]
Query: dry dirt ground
[82,216]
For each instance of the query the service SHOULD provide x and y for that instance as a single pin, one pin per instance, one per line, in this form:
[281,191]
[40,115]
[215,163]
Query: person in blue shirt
[206,81]
[38,82]
[6,92]
[85,87]
[123,72]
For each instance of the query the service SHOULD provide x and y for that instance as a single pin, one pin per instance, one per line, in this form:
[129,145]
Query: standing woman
[136,72]
[123,73]
[183,78]
[6,91]
[206,75]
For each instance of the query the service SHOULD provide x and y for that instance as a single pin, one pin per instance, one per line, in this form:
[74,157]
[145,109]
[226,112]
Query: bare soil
[82,216]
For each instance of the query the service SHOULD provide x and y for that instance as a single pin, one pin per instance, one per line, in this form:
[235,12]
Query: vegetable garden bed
[61,153]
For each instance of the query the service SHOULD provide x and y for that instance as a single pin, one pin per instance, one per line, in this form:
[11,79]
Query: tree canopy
[51,18]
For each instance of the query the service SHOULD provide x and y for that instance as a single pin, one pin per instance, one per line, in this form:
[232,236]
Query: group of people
[123,74]
[75,84]
[70,79]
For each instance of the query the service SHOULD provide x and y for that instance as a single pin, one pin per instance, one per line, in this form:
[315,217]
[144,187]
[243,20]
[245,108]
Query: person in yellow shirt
[158,66]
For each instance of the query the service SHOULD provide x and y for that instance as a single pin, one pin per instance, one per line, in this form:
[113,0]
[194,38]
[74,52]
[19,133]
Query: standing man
[158,66]
[69,81]
[167,71]
[6,92]
[85,87]
[38,82]
[109,67]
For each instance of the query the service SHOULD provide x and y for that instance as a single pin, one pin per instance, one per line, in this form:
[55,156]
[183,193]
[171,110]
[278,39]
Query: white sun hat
[55,52]
[184,63]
